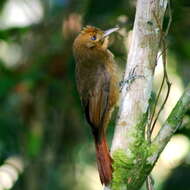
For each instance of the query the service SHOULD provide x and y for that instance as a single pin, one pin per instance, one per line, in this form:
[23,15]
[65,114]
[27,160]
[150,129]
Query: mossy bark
[134,156]
[132,166]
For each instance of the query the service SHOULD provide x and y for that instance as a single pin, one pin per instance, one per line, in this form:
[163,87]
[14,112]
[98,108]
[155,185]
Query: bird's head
[91,37]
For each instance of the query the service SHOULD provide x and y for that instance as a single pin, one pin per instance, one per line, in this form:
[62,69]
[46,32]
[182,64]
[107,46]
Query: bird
[98,87]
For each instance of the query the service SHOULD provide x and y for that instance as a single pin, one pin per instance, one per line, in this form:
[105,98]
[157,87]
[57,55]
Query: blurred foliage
[40,113]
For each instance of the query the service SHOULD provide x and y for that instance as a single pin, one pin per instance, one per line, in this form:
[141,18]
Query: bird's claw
[130,79]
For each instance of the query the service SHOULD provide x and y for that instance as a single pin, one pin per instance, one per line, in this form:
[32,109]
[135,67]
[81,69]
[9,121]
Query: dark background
[41,120]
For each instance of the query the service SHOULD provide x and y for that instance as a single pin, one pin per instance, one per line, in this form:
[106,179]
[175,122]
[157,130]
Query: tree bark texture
[133,155]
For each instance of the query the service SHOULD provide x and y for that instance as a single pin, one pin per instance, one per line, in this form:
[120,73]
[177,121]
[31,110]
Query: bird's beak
[109,31]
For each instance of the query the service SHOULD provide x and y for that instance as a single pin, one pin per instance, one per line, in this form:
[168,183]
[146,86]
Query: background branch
[171,125]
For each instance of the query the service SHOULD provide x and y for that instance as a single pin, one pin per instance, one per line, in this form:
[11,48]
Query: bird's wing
[97,102]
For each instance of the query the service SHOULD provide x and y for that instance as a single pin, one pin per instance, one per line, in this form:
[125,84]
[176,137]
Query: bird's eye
[93,38]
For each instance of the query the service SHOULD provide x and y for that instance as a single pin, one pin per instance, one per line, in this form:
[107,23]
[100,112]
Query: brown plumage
[97,84]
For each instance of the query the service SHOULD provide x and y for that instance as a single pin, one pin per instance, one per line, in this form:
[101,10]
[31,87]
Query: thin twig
[165,76]
[149,184]
[170,18]
[156,102]
[160,90]
[167,94]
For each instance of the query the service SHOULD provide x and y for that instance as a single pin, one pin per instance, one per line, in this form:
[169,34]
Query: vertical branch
[142,57]
[133,155]
[129,147]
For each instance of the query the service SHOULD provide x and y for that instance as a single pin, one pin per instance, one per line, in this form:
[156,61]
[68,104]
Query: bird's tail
[104,160]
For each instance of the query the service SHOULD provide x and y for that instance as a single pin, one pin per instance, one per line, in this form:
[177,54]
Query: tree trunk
[134,156]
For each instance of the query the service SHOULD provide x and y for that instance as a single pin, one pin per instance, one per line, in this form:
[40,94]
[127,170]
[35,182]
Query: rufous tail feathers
[104,160]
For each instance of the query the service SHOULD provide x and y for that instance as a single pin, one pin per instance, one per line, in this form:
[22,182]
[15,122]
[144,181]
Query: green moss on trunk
[130,166]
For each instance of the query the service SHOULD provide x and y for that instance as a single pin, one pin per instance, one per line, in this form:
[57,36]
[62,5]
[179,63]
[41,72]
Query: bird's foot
[130,79]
